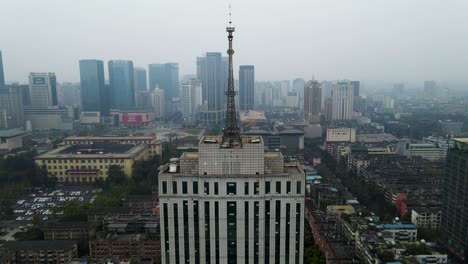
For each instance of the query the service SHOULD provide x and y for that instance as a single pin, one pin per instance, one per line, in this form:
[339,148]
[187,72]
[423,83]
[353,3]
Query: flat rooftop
[95,150]
[110,138]
[40,245]
[218,140]
[251,115]
[9,133]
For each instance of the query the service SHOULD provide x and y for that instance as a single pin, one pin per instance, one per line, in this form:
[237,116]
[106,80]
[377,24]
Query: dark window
[206,188]
[277,230]
[176,232]
[231,233]
[288,187]
[164,187]
[184,187]
[267,232]
[298,230]
[166,232]
[246,188]
[278,187]
[196,227]
[195,187]
[288,232]
[174,187]
[186,231]
[216,188]
[298,187]
[267,187]
[256,188]
[256,232]
[207,232]
[217,231]
[231,188]
[246,232]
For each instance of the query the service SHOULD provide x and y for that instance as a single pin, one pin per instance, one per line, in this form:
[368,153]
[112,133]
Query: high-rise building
[430,89]
[246,87]
[231,202]
[139,79]
[11,107]
[191,99]
[312,101]
[165,76]
[159,103]
[2,74]
[298,85]
[93,92]
[210,72]
[122,92]
[357,96]
[43,89]
[455,194]
[356,86]
[342,101]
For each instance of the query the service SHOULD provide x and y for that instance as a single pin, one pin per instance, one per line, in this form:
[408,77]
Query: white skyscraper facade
[342,95]
[191,99]
[159,103]
[231,205]
[43,89]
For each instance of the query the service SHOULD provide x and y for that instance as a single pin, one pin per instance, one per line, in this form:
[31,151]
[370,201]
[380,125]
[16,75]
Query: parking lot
[45,204]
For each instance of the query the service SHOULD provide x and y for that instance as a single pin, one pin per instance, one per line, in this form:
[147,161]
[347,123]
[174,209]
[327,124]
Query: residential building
[42,251]
[451,127]
[141,204]
[424,150]
[455,209]
[312,101]
[67,231]
[191,99]
[93,90]
[43,89]
[246,87]
[426,217]
[122,90]
[342,95]
[11,107]
[159,103]
[298,85]
[89,162]
[341,134]
[139,78]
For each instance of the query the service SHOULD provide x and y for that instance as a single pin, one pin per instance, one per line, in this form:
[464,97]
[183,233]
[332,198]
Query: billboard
[131,118]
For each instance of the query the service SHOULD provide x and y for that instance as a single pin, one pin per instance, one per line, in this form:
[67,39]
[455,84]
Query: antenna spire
[231,132]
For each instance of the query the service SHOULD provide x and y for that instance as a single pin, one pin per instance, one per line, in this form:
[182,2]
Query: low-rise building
[88,162]
[341,134]
[42,251]
[11,139]
[96,215]
[141,204]
[66,231]
[426,217]
[424,150]
[451,127]
[400,231]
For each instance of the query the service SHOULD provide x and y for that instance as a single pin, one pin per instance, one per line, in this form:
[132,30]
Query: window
[298,187]
[195,187]
[206,188]
[231,188]
[216,188]
[256,188]
[184,187]
[288,187]
[278,187]
[246,188]
[174,187]
[267,187]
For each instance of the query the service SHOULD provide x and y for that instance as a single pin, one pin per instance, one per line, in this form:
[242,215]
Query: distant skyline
[356,40]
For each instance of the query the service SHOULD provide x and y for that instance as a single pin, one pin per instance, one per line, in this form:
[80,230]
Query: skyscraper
[191,99]
[312,101]
[455,196]
[122,92]
[165,76]
[2,74]
[159,103]
[11,107]
[92,83]
[246,87]
[210,72]
[139,78]
[43,89]
[232,202]
[342,95]
[298,86]
[431,89]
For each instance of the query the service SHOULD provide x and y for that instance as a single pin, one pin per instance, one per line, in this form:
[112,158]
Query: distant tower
[2,76]
[246,87]
[231,133]
[43,89]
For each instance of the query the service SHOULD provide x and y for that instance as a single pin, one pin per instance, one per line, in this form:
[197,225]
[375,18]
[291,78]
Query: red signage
[131,118]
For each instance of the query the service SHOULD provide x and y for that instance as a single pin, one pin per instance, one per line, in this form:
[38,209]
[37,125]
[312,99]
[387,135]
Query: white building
[232,205]
[424,150]
[158,103]
[341,134]
[426,217]
[43,89]
[191,99]
[342,95]
[441,142]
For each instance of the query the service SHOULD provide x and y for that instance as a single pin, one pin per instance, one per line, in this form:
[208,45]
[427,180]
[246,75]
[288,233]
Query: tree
[116,175]
[75,211]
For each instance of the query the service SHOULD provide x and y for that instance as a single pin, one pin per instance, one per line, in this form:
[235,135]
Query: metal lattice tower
[231,132]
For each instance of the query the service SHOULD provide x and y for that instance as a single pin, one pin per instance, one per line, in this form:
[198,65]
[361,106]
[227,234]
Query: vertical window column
[232,232]
[186,232]
[267,232]
[207,233]
[256,232]
[298,230]
[176,233]
[277,231]
[246,232]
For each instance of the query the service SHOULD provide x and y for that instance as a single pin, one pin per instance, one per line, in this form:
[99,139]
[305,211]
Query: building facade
[2,74]
[43,89]
[312,101]
[246,87]
[455,209]
[159,103]
[342,96]
[139,78]
[191,99]
[40,251]
[122,92]
[11,107]
[232,205]
[166,77]
[93,91]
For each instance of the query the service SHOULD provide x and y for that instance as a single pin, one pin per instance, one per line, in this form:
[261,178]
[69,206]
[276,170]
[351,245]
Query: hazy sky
[353,39]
